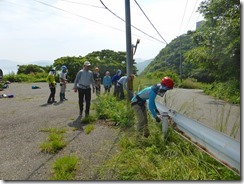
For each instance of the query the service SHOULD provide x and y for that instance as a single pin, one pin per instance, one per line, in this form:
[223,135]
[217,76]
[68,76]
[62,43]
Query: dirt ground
[22,118]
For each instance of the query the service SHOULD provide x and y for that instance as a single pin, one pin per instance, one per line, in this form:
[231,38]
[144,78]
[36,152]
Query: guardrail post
[165,118]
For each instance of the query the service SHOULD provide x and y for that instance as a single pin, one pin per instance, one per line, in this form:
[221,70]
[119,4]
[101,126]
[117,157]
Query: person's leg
[61,92]
[109,90]
[141,114]
[81,97]
[122,95]
[88,101]
[50,96]
[99,89]
[64,90]
[116,89]
[53,91]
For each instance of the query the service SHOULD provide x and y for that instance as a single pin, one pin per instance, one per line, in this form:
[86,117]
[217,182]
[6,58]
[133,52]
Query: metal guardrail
[218,145]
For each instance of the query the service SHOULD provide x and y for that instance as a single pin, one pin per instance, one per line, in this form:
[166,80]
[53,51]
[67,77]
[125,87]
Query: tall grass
[157,159]
[120,112]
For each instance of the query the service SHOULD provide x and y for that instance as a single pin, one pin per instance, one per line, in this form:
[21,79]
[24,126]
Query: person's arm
[125,83]
[78,75]
[104,80]
[92,81]
[152,104]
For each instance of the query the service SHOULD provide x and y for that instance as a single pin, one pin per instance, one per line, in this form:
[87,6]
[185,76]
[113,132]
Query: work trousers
[141,114]
[62,88]
[121,91]
[52,94]
[116,90]
[84,94]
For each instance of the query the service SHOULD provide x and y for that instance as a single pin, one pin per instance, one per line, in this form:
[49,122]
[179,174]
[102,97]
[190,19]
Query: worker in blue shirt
[138,103]
[115,79]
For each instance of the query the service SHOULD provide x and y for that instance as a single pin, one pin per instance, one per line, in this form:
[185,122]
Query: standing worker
[63,81]
[83,81]
[138,103]
[107,82]
[115,79]
[52,86]
[97,80]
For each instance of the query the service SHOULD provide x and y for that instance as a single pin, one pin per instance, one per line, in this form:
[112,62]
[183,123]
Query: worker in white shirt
[122,84]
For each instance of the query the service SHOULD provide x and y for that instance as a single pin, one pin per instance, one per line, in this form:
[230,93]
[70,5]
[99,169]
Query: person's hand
[75,90]
[157,112]
[158,119]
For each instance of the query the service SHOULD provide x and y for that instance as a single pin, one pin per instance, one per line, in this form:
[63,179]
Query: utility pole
[180,61]
[129,56]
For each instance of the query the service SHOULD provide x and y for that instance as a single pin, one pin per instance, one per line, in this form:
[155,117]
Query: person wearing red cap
[138,102]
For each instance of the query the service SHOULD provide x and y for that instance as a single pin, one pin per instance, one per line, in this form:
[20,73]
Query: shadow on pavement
[77,123]
[46,104]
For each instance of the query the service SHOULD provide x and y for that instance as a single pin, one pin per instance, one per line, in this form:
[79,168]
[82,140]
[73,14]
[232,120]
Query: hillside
[141,65]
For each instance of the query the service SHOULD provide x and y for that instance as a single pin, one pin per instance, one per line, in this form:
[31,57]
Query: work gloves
[157,119]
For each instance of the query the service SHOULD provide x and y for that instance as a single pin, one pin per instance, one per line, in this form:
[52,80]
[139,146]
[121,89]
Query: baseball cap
[87,63]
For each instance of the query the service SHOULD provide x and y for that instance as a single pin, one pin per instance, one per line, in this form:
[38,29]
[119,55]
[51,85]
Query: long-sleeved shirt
[84,79]
[123,81]
[115,79]
[107,81]
[149,94]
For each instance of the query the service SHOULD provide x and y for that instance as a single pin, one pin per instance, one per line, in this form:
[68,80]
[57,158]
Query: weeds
[154,158]
[55,141]
[120,112]
[89,128]
[64,168]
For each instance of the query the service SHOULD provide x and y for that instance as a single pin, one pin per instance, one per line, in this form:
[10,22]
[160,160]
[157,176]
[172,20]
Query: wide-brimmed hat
[87,63]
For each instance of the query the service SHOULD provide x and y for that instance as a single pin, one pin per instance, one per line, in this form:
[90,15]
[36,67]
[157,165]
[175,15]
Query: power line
[183,16]
[150,21]
[78,15]
[131,25]
[83,4]
[191,15]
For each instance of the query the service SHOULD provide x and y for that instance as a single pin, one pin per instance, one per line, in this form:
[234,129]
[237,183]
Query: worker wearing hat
[83,82]
[138,103]
[63,81]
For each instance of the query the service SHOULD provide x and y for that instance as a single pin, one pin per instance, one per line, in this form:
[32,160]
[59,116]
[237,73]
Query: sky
[33,30]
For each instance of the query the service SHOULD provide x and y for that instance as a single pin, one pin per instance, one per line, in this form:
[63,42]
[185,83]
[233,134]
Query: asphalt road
[22,118]
[214,113]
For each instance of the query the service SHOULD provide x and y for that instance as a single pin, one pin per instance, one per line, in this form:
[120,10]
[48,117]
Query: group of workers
[86,80]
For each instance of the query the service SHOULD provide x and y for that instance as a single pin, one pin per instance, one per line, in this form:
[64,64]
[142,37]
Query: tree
[218,40]
[28,69]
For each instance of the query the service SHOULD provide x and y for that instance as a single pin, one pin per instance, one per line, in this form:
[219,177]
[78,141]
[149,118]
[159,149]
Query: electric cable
[83,4]
[131,25]
[78,15]
[183,16]
[150,21]
[191,15]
